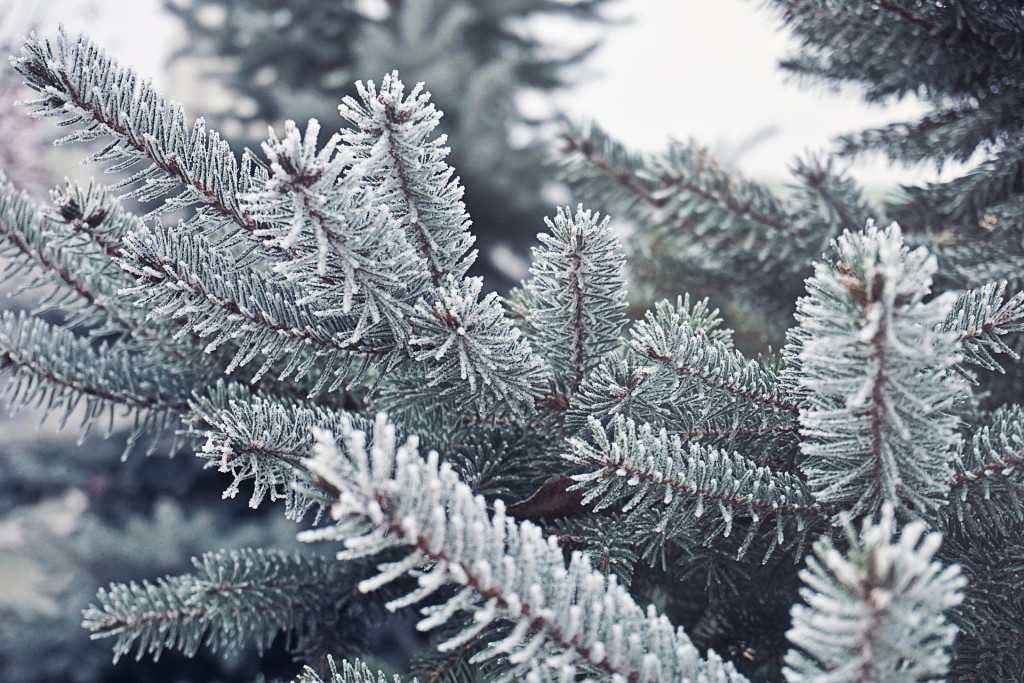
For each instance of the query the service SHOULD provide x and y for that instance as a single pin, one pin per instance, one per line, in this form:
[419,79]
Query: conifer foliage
[547,497]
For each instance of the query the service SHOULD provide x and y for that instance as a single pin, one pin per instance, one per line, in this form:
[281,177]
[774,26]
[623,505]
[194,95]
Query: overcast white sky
[683,68]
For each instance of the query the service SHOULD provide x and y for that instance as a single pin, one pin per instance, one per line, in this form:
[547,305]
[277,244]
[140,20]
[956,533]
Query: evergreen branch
[265,440]
[594,158]
[979,260]
[577,293]
[981,318]
[349,673]
[689,171]
[452,664]
[652,393]
[667,338]
[392,143]
[627,386]
[79,241]
[737,431]
[987,487]
[234,597]
[641,470]
[990,618]
[877,614]
[389,497]
[80,265]
[941,53]
[94,215]
[951,133]
[55,368]
[342,241]
[179,275]
[964,201]
[78,81]
[877,422]
[823,203]
[466,341]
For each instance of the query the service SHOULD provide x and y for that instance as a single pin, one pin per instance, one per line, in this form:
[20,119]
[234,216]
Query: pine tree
[546,496]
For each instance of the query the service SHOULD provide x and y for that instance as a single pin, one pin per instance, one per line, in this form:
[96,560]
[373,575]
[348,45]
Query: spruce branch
[947,50]
[640,470]
[652,392]
[577,292]
[79,241]
[58,370]
[86,88]
[667,338]
[627,386]
[949,133]
[593,157]
[234,597]
[713,224]
[466,341]
[987,489]
[876,614]
[981,318]
[990,618]
[350,672]
[253,437]
[566,616]
[342,242]
[93,214]
[965,201]
[180,276]
[59,249]
[392,142]
[877,421]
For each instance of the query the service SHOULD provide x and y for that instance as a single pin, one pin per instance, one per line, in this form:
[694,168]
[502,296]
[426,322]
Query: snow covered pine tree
[557,500]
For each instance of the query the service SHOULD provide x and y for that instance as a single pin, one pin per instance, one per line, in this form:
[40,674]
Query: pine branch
[627,386]
[877,614]
[877,422]
[179,275]
[235,597]
[356,672]
[640,470]
[987,489]
[667,339]
[466,342]
[577,293]
[981,318]
[80,83]
[389,497]
[265,440]
[392,141]
[58,370]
